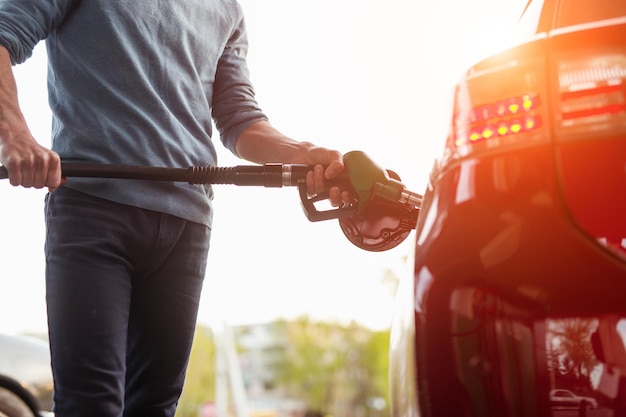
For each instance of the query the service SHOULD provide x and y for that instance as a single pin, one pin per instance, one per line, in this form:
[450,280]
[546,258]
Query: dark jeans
[123,287]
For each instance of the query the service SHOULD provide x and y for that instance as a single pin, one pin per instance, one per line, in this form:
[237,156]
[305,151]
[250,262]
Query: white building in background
[246,374]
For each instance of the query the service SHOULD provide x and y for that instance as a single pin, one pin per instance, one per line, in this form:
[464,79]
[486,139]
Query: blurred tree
[336,369]
[377,362]
[200,379]
[572,351]
[308,367]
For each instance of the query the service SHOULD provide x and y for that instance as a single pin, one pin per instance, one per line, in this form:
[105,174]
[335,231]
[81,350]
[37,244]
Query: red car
[519,283]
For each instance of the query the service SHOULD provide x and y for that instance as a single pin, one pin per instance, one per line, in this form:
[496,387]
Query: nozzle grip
[315,215]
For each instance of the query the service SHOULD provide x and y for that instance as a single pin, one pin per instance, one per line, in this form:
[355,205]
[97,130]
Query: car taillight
[507,117]
[590,134]
[590,95]
[500,105]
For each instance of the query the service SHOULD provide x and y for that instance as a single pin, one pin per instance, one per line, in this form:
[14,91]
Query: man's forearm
[29,164]
[9,106]
[262,143]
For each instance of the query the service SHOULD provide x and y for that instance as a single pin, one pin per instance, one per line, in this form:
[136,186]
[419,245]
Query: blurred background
[347,74]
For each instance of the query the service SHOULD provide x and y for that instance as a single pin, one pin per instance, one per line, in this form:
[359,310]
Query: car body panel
[522,234]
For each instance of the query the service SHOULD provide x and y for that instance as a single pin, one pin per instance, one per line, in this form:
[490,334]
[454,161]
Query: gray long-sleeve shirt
[136,82]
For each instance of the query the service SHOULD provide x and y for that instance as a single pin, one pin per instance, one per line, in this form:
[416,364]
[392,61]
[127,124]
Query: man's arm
[29,164]
[262,143]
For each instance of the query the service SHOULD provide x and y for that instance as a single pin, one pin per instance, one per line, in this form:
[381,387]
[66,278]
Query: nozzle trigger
[315,215]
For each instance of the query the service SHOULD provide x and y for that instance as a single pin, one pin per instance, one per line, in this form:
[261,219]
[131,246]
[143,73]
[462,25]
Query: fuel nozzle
[387,211]
[371,181]
[372,186]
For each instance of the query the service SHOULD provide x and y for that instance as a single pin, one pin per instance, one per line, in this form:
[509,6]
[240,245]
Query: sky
[366,75]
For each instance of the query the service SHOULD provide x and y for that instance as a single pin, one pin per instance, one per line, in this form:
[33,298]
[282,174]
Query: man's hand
[328,164]
[28,163]
[262,143]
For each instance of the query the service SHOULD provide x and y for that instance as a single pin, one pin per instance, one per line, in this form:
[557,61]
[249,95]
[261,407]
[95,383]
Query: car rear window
[574,12]
[529,21]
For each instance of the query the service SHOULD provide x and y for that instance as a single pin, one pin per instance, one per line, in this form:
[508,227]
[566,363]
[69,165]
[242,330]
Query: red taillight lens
[498,119]
[590,95]
[590,128]
[499,105]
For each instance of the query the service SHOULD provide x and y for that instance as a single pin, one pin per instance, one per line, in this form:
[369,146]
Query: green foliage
[377,356]
[200,379]
[337,370]
[334,369]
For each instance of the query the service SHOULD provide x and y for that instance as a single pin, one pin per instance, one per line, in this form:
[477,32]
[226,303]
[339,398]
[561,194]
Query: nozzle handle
[372,181]
[268,175]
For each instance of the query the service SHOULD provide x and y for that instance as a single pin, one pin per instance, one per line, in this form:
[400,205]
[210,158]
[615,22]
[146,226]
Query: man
[132,82]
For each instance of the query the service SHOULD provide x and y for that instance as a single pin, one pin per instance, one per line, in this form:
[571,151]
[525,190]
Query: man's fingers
[37,172]
[316,184]
[335,168]
[334,195]
[54,179]
[319,174]
[310,183]
[15,176]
